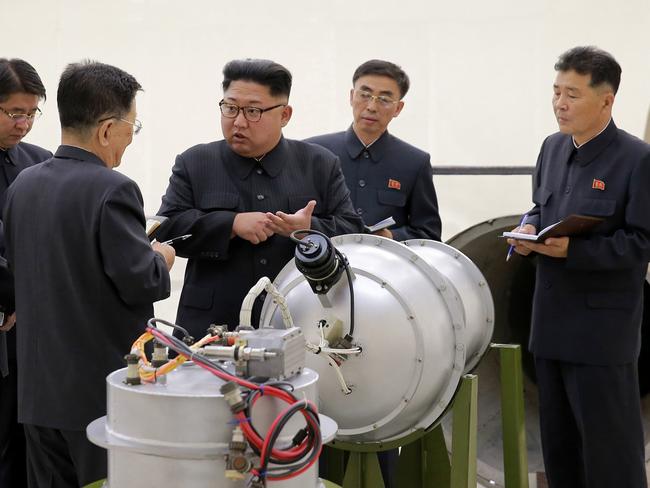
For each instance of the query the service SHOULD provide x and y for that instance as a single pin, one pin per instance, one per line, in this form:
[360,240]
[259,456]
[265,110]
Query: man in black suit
[21,91]
[387,177]
[243,196]
[588,300]
[86,274]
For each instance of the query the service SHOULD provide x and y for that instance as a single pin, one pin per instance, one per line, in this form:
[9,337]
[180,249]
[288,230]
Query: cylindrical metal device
[423,317]
[177,433]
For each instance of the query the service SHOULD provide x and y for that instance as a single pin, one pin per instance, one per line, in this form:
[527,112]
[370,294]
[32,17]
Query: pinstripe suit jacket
[209,185]
[86,280]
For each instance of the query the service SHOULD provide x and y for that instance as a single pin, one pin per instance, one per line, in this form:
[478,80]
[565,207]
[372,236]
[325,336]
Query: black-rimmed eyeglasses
[22,117]
[252,114]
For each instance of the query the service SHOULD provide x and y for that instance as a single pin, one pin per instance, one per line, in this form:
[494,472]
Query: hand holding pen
[511,249]
[173,240]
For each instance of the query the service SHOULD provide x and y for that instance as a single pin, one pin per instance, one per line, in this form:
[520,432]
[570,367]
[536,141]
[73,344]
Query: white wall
[481,74]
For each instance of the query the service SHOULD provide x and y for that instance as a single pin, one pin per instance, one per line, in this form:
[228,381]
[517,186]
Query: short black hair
[18,76]
[263,71]
[590,60]
[89,91]
[384,68]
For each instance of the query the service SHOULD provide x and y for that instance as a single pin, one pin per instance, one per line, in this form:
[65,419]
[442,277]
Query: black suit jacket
[12,162]
[389,178]
[588,306]
[86,279]
[209,185]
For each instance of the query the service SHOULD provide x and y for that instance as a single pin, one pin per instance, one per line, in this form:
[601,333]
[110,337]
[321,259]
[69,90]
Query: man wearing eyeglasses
[21,91]
[243,196]
[387,177]
[86,273]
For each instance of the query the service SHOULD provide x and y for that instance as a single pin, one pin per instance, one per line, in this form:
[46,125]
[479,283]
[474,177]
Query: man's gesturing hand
[284,224]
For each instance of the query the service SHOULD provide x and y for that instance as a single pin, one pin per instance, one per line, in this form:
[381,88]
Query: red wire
[253,438]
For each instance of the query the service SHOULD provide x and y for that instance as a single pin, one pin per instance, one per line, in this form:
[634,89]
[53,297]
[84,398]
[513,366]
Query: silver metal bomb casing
[472,287]
[411,322]
[177,433]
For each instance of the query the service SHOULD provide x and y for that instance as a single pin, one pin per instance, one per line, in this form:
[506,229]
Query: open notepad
[572,225]
[382,224]
[153,222]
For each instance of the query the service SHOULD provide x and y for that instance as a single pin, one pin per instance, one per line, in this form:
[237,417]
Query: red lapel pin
[598,184]
[394,184]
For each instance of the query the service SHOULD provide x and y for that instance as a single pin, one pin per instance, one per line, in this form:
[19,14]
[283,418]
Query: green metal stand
[96,484]
[363,471]
[425,462]
[329,484]
[513,417]
[463,440]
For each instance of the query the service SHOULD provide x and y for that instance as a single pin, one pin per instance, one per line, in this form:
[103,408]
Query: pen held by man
[517,245]
[556,247]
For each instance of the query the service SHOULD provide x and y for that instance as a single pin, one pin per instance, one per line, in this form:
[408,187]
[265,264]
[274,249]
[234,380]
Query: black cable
[313,446]
[348,274]
[314,438]
[180,347]
[153,321]
[343,260]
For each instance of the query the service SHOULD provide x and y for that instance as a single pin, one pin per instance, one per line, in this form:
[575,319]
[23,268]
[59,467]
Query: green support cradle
[424,460]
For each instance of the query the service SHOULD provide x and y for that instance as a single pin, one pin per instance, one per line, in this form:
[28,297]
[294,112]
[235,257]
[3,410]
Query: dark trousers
[12,438]
[62,458]
[388,464]
[590,419]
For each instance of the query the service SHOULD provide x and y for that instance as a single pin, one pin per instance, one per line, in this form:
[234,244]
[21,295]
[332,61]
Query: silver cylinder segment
[177,433]
[423,317]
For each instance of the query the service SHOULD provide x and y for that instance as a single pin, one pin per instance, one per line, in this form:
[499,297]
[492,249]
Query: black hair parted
[90,91]
[379,67]
[590,60]
[262,71]
[18,76]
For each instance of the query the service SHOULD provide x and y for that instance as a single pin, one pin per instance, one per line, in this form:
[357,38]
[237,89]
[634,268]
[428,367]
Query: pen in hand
[176,239]
[511,249]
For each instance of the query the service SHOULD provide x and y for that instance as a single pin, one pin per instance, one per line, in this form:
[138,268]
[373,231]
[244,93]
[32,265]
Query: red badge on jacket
[598,184]
[396,185]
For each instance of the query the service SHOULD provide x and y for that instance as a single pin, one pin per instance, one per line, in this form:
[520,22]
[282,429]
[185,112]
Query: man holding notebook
[588,300]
